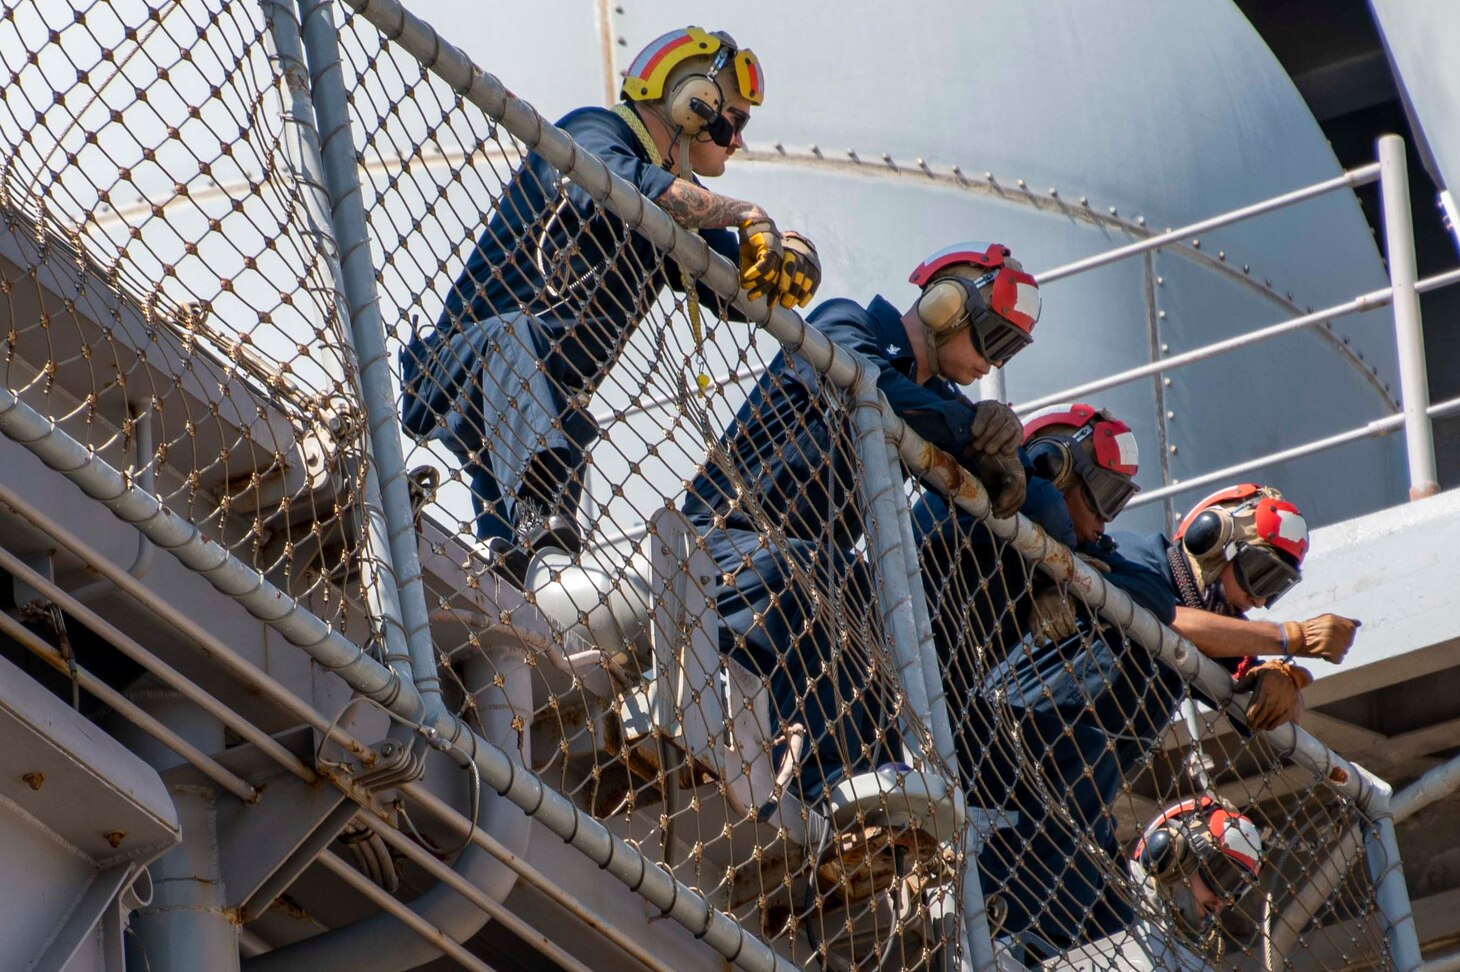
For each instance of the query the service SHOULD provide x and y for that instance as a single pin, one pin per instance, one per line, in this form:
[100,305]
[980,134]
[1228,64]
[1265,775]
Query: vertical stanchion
[351,231]
[1408,326]
[1391,893]
[377,570]
[888,543]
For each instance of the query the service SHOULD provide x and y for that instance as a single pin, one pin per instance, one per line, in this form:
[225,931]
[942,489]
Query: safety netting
[702,652]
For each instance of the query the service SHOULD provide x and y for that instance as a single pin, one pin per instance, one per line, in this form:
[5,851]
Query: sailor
[1093,702]
[777,500]
[1194,860]
[556,286]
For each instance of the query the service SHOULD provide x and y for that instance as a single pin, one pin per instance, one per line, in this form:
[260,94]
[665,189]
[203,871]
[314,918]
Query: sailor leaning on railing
[786,461]
[557,285]
[1089,705]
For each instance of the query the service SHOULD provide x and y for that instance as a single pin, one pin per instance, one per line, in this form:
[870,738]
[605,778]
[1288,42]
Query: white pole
[1408,327]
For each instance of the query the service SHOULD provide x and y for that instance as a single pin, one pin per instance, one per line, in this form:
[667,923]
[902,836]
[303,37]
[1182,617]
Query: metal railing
[1402,293]
[406,679]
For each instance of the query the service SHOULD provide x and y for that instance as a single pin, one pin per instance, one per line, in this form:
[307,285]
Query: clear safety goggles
[1263,572]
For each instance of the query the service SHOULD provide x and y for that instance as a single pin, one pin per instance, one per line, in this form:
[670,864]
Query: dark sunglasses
[723,128]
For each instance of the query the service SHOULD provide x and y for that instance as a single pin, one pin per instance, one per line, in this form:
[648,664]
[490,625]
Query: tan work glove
[995,429]
[800,271]
[1052,610]
[1003,477]
[761,256]
[1328,636]
[1277,693]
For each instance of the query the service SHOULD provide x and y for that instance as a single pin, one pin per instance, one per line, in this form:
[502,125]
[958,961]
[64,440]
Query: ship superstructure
[269,707]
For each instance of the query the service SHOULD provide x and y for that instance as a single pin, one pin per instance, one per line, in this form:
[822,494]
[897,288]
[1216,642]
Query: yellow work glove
[800,271]
[761,256]
[1328,636]
[1277,693]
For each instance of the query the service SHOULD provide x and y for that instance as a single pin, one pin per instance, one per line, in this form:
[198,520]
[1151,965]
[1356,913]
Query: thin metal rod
[472,893]
[169,675]
[128,710]
[1408,327]
[248,675]
[1363,303]
[881,497]
[459,824]
[1363,175]
[382,900]
[1376,428]
[1435,784]
[889,545]
[972,914]
[336,153]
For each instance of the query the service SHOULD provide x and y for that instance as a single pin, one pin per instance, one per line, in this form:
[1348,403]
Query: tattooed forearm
[695,207]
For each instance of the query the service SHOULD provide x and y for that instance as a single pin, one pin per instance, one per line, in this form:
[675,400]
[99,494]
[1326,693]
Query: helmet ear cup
[1164,854]
[943,307]
[1209,532]
[1051,460]
[694,102]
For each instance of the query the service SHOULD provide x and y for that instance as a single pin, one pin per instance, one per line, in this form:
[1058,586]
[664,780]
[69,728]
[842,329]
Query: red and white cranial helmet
[1079,442]
[1253,527]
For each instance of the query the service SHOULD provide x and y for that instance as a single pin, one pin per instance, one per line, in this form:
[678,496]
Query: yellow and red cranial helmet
[648,74]
[1253,527]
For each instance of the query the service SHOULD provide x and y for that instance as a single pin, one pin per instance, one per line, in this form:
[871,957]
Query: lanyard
[691,297]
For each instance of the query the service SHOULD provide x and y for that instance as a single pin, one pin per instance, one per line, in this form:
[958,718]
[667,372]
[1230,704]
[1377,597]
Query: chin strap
[691,295]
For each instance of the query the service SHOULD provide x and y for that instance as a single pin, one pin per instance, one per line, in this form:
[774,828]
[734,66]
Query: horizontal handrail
[1363,175]
[1375,428]
[1365,302]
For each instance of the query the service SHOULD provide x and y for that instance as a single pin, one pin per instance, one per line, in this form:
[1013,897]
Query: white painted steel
[1408,327]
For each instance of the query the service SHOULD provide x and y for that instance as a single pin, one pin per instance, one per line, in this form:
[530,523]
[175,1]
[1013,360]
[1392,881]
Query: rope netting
[702,653]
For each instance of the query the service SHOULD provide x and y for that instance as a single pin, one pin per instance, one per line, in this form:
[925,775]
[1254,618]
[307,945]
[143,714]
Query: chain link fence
[714,673]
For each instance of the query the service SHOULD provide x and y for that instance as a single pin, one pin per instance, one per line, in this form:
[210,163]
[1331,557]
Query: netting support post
[905,618]
[1386,870]
[978,941]
[334,148]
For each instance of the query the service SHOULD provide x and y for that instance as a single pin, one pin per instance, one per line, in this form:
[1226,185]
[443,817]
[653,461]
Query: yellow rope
[691,297]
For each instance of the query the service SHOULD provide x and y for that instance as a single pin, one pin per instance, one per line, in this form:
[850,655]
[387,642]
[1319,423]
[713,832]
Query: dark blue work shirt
[794,456]
[1099,677]
[551,251]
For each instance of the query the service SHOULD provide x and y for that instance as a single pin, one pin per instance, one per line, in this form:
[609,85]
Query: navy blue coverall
[549,297]
[789,459]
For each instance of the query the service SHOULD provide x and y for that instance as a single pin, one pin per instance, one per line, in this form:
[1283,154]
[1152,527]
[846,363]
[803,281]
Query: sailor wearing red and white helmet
[787,458]
[1240,548]
[1197,858]
[556,286]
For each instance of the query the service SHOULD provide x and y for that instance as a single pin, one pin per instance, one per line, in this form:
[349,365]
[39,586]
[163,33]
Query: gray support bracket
[82,922]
